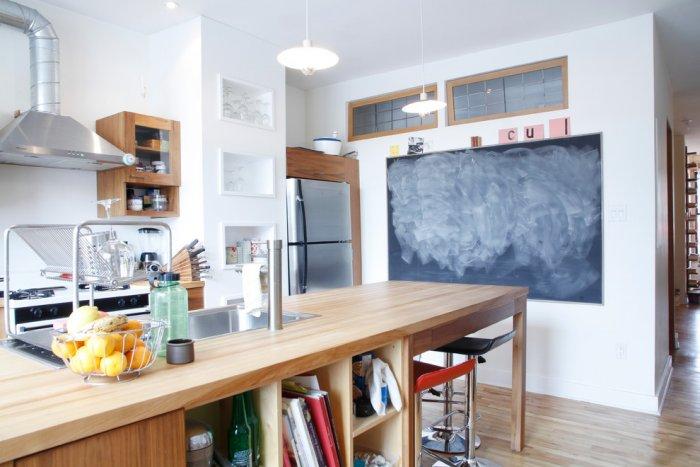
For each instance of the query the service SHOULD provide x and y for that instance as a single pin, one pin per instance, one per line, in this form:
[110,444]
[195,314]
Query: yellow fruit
[114,364]
[139,357]
[81,318]
[65,348]
[101,345]
[124,341]
[84,361]
[134,325]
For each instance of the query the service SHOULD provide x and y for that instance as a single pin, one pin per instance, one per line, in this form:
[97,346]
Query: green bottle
[240,453]
[254,424]
[168,302]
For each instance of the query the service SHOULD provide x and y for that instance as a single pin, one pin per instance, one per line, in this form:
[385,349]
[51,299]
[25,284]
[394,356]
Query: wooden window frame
[563,62]
[352,105]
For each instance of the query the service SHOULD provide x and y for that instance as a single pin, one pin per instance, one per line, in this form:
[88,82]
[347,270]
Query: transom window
[532,88]
[382,115]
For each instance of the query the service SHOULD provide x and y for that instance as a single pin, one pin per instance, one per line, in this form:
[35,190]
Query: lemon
[101,345]
[114,364]
[84,361]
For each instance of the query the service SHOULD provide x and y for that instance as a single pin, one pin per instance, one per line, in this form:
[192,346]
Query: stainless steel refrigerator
[319,235]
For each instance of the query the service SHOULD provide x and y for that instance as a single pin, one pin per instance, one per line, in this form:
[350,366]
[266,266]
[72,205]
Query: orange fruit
[140,343]
[124,341]
[134,325]
[114,364]
[139,357]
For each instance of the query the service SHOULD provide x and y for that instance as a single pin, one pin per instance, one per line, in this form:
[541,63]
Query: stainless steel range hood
[41,136]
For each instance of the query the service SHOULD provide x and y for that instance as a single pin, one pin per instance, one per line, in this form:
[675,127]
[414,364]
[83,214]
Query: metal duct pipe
[43,54]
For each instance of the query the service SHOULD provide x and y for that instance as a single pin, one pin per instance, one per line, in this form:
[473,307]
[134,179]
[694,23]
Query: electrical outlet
[617,213]
[621,351]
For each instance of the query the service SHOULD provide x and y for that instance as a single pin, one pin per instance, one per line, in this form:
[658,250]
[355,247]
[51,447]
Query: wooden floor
[565,432]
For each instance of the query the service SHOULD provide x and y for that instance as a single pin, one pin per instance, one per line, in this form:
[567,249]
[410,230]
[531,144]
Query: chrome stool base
[435,441]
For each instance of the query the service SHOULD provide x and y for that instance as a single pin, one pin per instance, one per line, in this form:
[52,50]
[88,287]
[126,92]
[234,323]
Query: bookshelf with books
[323,416]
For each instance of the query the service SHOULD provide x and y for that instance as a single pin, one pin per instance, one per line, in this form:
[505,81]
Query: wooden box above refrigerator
[155,142]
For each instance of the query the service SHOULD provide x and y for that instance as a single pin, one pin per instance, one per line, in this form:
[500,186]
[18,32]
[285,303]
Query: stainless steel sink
[229,319]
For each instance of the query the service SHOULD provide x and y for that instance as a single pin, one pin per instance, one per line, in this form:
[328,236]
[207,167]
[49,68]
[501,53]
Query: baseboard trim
[664,384]
[575,390]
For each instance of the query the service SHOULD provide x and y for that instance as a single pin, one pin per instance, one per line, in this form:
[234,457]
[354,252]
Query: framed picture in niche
[246,103]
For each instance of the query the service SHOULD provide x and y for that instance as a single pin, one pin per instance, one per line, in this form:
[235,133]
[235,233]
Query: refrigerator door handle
[303,277]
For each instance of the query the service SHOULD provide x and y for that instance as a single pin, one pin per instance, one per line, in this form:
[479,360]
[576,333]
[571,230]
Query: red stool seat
[428,376]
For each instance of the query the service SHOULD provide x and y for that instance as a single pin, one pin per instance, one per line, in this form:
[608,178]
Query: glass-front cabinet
[151,186]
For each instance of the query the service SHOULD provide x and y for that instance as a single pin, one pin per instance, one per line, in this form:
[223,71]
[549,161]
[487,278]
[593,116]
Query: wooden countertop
[41,408]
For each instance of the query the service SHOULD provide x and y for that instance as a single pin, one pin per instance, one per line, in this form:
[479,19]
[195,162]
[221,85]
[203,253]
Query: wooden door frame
[671,238]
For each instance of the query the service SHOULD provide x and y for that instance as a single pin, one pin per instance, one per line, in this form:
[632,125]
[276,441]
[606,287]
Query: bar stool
[447,438]
[427,376]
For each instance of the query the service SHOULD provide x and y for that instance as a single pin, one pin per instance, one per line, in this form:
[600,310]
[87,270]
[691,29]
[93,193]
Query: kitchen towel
[252,288]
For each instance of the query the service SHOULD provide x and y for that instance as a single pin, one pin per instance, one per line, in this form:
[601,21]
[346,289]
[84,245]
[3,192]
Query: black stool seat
[475,346]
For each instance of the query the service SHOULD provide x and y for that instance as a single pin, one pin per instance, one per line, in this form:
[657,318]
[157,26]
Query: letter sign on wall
[534,132]
[559,127]
[507,135]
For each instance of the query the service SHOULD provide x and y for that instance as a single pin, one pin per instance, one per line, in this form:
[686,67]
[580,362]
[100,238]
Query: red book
[316,403]
[324,429]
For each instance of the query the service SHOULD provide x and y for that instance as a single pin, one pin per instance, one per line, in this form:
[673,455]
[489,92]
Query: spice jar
[159,202]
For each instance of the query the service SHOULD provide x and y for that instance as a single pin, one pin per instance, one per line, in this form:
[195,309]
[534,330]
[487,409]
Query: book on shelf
[315,405]
[292,446]
[302,429]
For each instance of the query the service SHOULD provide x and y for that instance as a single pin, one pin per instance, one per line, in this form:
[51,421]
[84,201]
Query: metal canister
[200,444]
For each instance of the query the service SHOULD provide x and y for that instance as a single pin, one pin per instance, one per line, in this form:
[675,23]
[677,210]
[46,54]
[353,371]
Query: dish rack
[70,252]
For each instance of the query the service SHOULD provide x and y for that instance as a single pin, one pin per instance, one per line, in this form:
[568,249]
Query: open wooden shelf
[151,213]
[388,434]
[150,150]
[363,424]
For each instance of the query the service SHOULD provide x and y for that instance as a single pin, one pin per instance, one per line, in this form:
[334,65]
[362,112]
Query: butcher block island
[51,417]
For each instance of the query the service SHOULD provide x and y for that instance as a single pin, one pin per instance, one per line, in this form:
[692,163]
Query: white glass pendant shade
[307,58]
[424,106]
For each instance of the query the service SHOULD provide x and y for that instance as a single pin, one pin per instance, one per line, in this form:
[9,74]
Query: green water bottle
[254,424]
[168,302]
[240,452]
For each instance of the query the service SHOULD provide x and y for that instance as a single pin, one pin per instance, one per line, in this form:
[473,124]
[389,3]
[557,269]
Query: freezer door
[318,267]
[326,206]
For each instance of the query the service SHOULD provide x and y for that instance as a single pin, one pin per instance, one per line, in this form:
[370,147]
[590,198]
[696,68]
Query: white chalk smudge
[537,209]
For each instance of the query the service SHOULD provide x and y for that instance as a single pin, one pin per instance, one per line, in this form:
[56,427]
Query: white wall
[101,70]
[572,348]
[175,92]
[663,115]
[296,117]
[252,60]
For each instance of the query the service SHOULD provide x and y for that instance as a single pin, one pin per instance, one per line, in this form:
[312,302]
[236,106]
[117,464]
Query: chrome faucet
[274,301]
[272,274]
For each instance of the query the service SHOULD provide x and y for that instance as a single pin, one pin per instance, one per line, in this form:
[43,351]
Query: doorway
[671,237]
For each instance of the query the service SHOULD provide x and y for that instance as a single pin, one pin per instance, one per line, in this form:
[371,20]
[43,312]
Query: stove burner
[30,294]
[103,288]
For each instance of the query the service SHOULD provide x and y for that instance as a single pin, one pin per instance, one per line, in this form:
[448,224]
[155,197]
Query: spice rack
[155,142]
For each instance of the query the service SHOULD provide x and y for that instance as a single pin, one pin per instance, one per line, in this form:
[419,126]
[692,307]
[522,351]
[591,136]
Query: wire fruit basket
[110,356]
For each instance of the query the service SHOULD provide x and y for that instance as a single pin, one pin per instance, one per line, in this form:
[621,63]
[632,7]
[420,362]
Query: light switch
[617,213]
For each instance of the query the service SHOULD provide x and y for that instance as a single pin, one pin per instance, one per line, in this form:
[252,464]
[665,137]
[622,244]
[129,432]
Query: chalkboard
[524,214]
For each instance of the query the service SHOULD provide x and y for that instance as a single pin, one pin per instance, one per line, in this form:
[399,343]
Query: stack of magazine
[310,438]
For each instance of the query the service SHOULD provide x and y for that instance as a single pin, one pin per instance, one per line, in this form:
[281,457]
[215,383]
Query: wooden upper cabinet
[150,139]
[315,165]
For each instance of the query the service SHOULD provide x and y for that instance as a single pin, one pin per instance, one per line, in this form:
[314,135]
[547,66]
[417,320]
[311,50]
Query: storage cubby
[232,234]
[246,175]
[381,434]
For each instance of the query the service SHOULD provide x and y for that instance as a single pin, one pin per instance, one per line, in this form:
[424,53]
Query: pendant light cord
[307,20]
[422,51]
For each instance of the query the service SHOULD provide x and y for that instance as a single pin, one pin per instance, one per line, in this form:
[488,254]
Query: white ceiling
[372,36]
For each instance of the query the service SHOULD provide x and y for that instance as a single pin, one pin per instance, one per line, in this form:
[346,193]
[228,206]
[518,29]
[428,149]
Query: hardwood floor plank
[566,432]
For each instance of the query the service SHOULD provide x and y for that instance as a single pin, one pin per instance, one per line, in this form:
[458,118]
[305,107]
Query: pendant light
[423,106]
[307,58]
